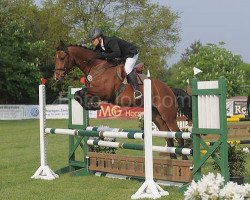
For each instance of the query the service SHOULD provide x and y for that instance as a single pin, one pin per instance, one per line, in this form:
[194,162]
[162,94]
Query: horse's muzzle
[58,78]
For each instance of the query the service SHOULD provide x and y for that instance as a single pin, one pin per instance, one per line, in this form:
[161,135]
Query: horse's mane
[78,45]
[63,46]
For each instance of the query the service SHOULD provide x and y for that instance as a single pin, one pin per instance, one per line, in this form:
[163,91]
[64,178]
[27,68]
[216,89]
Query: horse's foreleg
[86,100]
[81,97]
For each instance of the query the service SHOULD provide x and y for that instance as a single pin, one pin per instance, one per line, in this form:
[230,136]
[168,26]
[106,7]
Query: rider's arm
[115,49]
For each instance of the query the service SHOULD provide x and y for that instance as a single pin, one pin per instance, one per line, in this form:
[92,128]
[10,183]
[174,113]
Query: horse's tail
[184,101]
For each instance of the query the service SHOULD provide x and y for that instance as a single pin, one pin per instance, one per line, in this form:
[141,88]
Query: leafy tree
[214,61]
[18,64]
[194,49]
[174,71]
[152,27]
[246,85]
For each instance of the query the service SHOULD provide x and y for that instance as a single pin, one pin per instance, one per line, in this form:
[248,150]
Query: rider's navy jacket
[116,48]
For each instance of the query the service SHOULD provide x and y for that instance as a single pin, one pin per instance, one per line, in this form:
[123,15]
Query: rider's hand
[102,55]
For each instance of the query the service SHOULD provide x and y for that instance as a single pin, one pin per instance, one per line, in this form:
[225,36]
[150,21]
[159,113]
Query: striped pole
[237,116]
[234,119]
[149,188]
[115,144]
[166,134]
[106,128]
[130,134]
[176,150]
[101,134]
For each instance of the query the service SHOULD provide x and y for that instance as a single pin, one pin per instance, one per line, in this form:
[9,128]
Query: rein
[65,69]
[90,75]
[90,71]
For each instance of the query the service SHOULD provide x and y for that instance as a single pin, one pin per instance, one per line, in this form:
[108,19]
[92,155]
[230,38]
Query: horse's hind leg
[168,122]
[173,126]
[162,126]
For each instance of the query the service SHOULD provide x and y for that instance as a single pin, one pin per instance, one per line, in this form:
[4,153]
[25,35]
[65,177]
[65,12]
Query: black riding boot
[132,79]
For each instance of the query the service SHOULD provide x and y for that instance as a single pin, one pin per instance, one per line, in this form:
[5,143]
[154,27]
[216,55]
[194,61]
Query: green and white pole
[185,151]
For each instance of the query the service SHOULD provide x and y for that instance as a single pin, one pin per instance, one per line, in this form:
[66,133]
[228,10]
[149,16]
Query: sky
[212,21]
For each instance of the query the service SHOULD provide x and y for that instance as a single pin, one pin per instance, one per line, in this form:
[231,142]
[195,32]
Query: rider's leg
[132,79]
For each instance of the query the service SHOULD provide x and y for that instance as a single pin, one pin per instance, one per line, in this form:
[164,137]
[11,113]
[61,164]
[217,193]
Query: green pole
[224,130]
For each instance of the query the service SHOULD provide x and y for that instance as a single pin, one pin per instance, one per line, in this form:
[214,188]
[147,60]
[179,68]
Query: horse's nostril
[57,78]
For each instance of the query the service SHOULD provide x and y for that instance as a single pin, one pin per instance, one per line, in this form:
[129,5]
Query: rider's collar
[102,44]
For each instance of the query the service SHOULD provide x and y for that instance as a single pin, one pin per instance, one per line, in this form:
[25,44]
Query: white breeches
[130,63]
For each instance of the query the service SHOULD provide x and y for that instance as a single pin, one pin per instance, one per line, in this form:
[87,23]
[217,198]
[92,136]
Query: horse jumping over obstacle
[104,82]
[208,97]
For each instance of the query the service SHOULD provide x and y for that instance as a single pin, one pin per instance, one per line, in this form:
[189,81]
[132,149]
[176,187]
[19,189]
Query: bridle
[66,69]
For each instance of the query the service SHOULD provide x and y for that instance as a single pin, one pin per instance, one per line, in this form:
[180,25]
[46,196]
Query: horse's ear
[61,46]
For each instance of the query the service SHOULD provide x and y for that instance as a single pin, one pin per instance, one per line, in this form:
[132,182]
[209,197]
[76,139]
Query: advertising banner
[31,111]
[240,107]
[59,111]
[114,111]
[18,112]
[9,112]
[229,107]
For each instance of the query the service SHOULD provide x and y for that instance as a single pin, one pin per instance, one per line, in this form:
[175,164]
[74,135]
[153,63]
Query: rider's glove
[102,55]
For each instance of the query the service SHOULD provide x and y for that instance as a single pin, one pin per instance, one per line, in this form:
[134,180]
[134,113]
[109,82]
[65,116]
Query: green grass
[19,147]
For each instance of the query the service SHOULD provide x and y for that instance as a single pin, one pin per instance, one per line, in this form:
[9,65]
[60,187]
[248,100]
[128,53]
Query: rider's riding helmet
[95,33]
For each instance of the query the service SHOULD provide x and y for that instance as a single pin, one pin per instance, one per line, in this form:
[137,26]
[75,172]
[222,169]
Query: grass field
[19,147]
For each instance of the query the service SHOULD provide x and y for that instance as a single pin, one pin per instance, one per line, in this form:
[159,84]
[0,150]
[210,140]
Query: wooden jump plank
[171,170]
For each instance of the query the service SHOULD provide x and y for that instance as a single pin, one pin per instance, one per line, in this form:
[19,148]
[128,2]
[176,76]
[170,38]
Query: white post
[149,188]
[44,171]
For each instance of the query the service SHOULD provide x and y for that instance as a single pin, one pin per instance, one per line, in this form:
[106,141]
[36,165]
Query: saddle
[122,76]
[138,69]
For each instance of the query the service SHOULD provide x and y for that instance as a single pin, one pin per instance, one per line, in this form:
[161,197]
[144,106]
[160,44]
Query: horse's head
[74,55]
[63,62]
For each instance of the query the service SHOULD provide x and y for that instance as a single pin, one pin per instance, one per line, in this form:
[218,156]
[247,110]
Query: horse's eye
[62,58]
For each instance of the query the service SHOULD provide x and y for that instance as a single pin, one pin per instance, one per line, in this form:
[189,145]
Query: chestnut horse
[103,81]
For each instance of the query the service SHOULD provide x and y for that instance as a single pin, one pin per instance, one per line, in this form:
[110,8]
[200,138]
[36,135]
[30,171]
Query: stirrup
[137,94]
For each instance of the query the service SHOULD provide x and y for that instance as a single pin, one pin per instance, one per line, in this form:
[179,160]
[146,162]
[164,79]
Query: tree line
[30,33]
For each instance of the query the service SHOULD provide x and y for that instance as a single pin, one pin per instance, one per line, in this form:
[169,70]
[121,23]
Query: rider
[112,47]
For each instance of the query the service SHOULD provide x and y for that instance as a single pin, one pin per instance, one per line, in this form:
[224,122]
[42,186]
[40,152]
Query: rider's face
[96,41]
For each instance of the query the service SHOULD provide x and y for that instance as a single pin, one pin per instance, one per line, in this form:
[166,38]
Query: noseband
[66,69]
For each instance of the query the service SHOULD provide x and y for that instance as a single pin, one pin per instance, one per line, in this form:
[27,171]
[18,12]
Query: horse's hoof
[95,108]
[184,157]
[78,98]
[91,106]
[173,156]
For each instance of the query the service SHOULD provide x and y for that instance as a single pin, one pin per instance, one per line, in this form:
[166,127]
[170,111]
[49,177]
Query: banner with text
[239,107]
[114,111]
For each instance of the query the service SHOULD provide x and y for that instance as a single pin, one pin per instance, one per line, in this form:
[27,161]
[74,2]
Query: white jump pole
[44,171]
[149,188]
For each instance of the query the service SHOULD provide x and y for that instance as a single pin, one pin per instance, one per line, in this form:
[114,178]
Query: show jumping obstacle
[209,117]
